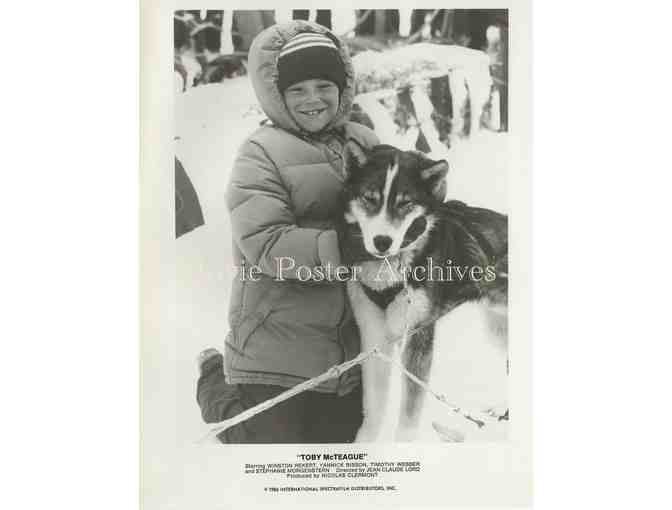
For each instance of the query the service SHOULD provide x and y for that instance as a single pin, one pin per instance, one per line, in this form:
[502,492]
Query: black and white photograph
[325,256]
[353,164]
[336,287]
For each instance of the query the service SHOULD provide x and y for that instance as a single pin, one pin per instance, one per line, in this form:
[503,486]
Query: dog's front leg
[417,358]
[375,372]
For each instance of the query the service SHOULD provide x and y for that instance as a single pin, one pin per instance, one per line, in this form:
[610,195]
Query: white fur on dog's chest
[380,274]
[408,309]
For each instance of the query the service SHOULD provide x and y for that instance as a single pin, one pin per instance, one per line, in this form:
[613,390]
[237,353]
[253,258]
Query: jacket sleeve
[263,221]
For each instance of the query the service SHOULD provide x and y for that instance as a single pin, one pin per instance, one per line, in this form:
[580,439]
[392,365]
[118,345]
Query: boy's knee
[217,399]
[210,361]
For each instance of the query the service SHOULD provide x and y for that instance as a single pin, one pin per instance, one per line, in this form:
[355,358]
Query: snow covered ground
[211,122]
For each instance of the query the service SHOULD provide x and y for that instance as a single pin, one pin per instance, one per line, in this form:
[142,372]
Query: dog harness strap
[382,298]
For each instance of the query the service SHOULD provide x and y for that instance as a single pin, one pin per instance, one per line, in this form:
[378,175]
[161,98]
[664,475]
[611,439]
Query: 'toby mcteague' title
[332,456]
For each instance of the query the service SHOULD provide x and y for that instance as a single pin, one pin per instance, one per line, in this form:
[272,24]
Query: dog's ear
[435,177]
[354,155]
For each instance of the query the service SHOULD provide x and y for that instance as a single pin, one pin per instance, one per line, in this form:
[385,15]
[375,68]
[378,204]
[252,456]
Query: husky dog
[427,261]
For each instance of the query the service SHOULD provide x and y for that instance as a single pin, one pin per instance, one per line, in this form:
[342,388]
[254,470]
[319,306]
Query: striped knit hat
[309,56]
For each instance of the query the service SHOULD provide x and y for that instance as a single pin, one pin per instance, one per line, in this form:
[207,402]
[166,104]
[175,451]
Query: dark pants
[309,417]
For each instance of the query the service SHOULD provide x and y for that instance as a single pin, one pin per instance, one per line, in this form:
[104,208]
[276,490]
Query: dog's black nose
[382,243]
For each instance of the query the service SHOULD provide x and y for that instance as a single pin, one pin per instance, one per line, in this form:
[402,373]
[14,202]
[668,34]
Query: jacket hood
[263,71]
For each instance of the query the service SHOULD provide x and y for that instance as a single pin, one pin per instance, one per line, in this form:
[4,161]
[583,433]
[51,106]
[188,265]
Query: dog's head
[393,195]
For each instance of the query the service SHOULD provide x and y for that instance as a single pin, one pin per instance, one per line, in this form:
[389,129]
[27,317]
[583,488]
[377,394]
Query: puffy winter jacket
[284,200]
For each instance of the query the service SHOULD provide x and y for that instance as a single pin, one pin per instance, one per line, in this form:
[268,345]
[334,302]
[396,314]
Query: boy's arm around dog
[263,221]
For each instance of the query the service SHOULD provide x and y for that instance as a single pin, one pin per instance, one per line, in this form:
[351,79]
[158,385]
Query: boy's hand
[351,244]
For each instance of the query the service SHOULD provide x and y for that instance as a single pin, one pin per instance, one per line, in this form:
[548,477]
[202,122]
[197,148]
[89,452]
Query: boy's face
[312,103]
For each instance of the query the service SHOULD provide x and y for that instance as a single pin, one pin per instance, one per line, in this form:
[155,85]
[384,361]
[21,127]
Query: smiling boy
[284,198]
[312,103]
[311,78]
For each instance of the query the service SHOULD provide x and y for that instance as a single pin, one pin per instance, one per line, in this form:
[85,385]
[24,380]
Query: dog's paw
[448,435]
